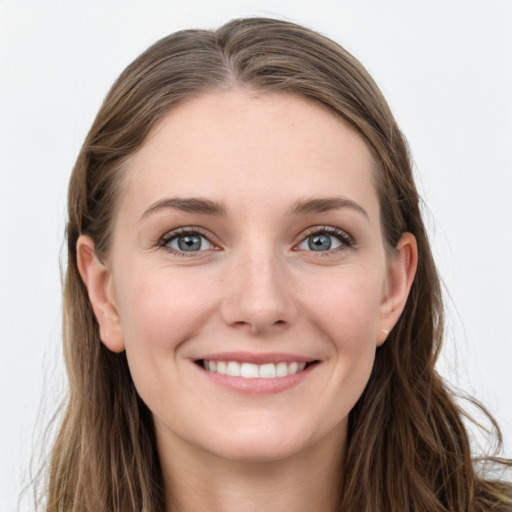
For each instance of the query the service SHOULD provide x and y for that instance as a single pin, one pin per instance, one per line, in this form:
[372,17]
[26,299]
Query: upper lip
[258,358]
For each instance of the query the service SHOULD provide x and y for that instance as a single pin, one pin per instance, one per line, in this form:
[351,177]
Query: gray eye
[320,242]
[190,242]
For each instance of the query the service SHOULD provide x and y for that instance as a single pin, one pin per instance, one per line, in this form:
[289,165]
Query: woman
[252,312]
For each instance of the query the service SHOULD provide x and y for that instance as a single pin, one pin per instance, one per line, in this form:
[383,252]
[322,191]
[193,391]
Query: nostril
[241,322]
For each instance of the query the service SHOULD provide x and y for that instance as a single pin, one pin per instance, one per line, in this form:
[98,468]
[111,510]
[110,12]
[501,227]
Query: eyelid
[347,241]
[186,230]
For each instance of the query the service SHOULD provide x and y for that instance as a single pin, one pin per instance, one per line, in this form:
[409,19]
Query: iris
[319,242]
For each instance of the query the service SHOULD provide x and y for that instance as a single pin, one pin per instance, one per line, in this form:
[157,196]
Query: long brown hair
[407,447]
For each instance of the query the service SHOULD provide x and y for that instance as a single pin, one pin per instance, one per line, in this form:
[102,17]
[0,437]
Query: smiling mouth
[255,371]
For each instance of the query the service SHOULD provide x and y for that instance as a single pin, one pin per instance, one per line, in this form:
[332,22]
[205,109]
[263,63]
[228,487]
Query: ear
[400,276]
[100,287]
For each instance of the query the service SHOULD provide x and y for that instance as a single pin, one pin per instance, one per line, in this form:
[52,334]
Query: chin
[254,451]
[264,443]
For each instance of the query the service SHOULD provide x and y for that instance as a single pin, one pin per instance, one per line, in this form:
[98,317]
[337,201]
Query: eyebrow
[188,205]
[208,207]
[325,204]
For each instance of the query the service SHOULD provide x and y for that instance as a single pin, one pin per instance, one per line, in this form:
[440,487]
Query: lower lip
[258,386]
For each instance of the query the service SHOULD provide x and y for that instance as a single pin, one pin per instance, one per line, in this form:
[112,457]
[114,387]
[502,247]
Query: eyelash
[345,240]
[343,237]
[169,237]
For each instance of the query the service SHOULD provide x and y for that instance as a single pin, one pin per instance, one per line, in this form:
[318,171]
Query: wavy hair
[407,447]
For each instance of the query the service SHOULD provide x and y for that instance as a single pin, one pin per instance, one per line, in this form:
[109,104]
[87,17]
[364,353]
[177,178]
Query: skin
[256,287]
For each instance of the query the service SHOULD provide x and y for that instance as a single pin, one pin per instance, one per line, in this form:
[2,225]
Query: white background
[445,67]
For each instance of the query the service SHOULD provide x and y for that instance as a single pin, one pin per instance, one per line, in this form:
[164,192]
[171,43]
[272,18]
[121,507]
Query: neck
[196,481]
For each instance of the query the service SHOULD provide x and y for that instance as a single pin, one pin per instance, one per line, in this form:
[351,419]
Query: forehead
[242,146]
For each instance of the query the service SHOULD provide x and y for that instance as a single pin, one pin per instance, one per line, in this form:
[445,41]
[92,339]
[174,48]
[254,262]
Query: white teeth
[221,367]
[292,368]
[233,369]
[254,371]
[281,370]
[268,371]
[249,371]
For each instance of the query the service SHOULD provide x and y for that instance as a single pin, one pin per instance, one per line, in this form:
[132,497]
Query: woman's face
[247,279]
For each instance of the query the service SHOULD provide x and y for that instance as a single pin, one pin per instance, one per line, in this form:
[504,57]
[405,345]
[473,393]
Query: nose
[258,295]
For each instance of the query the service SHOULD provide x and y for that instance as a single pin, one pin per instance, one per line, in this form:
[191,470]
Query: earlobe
[400,276]
[98,281]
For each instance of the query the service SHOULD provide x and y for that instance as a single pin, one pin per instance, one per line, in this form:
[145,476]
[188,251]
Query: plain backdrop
[445,67]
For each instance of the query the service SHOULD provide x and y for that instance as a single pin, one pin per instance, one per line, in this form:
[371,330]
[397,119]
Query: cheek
[347,308]
[347,314]
[163,306]
[160,310]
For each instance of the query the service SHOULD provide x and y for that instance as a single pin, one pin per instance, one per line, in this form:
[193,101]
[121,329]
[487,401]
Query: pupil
[189,242]
[319,242]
